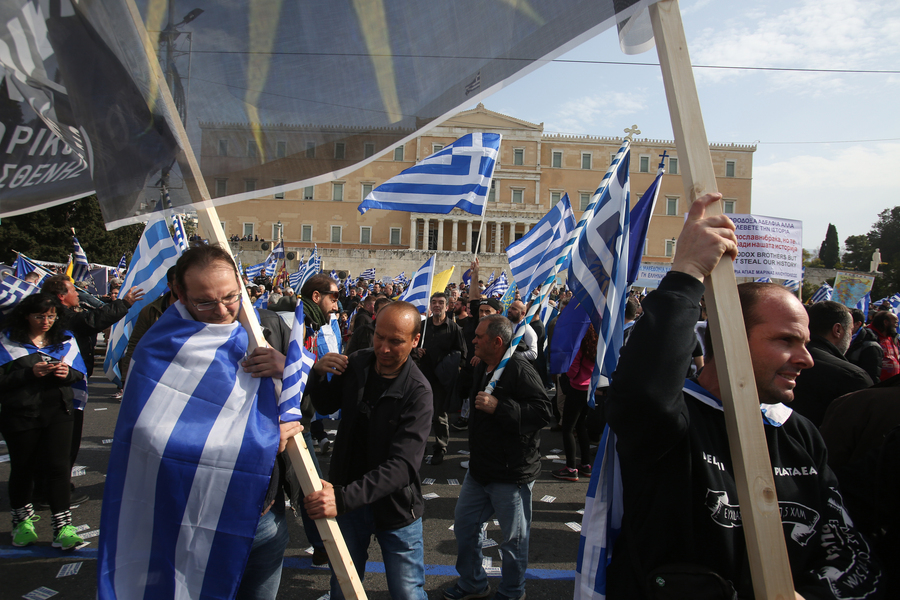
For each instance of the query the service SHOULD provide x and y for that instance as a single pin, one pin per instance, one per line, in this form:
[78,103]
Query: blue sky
[817,157]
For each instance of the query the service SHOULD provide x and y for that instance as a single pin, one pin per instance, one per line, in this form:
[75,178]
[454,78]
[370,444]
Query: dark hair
[882,319]
[56,285]
[589,344]
[317,283]
[824,315]
[381,301]
[408,309]
[439,295]
[858,315]
[170,276]
[631,306]
[499,326]
[17,322]
[202,257]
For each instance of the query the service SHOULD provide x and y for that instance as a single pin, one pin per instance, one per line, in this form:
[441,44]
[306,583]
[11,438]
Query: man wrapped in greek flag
[194,449]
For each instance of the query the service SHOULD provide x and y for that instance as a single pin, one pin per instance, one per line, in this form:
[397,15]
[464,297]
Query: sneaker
[67,538]
[325,448]
[566,474]
[460,425]
[457,593]
[464,464]
[438,457]
[584,470]
[319,557]
[24,533]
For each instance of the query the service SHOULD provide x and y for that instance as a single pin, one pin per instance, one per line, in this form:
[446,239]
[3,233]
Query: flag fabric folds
[13,291]
[457,176]
[419,291]
[66,352]
[863,304]
[792,285]
[24,266]
[263,301]
[440,281]
[823,293]
[599,266]
[123,264]
[895,302]
[368,274]
[307,270]
[271,265]
[297,365]
[533,256]
[278,250]
[498,287]
[640,224]
[508,297]
[180,235]
[81,269]
[190,463]
[155,254]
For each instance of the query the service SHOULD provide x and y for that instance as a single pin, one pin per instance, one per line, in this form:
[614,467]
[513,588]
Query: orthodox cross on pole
[631,132]
[662,159]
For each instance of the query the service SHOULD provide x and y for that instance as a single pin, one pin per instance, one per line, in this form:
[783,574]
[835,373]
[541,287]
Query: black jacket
[866,352]
[831,376]
[397,431]
[22,395]
[680,495]
[505,445]
[85,325]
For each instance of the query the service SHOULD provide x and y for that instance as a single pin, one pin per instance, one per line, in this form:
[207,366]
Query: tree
[885,235]
[47,234]
[830,250]
[857,253]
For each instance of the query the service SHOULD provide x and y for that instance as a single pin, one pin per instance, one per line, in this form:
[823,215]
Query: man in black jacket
[832,375]
[504,440]
[374,486]
[681,520]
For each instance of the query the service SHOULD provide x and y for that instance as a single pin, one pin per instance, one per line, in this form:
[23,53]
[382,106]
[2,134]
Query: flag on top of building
[156,252]
[81,269]
[457,176]
[533,256]
[419,291]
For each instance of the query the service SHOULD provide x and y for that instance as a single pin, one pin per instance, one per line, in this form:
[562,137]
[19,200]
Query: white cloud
[832,34]
[594,113]
[847,187]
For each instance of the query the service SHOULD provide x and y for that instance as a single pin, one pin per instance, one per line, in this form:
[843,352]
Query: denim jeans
[512,504]
[263,573]
[402,549]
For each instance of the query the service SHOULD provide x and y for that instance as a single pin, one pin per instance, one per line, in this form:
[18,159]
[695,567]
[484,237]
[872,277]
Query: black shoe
[461,425]
[320,557]
[438,457]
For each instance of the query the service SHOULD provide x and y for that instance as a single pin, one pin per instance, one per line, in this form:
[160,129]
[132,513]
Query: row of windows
[587,162]
[340,150]
[337,233]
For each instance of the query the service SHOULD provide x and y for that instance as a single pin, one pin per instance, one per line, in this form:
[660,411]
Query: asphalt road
[554,545]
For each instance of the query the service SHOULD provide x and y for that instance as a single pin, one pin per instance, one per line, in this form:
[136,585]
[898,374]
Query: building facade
[533,171]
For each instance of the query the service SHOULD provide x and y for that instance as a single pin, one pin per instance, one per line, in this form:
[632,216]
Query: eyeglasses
[49,318]
[333,294]
[227,301]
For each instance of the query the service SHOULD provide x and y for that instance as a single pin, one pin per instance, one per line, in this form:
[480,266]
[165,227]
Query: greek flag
[419,291]
[400,279]
[547,313]
[334,275]
[278,250]
[533,256]
[155,254]
[498,288]
[262,301]
[599,266]
[255,270]
[823,293]
[123,264]
[489,281]
[368,274]
[190,463]
[863,304]
[792,285]
[66,352]
[312,267]
[271,265]
[895,302]
[82,270]
[764,280]
[457,176]
[640,223]
[180,234]
[24,266]
[297,365]
[295,278]
[12,291]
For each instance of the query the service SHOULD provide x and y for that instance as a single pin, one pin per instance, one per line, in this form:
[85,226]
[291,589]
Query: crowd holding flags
[534,255]
[180,234]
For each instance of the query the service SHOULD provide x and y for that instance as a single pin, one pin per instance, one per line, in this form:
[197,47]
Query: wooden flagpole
[761,519]
[338,555]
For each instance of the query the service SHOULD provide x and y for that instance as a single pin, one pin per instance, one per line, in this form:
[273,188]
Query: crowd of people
[827,384]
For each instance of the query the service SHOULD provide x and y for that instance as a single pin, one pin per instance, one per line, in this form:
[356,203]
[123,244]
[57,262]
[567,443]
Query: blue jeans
[512,504]
[402,549]
[262,576]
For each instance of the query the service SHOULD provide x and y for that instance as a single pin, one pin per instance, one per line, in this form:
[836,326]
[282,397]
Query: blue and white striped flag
[547,313]
[263,301]
[368,274]
[123,264]
[271,265]
[419,291]
[533,256]
[863,304]
[334,275]
[489,281]
[792,285]
[297,365]
[895,302]
[179,233]
[823,293]
[13,291]
[190,463]
[255,270]
[764,280]
[278,251]
[294,279]
[599,266]
[81,270]
[458,176]
[155,254]
[66,352]
[400,279]
[498,288]
[24,266]
[312,267]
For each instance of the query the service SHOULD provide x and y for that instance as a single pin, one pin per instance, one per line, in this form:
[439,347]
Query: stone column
[412,231]
[425,232]
[454,236]
[469,248]
[440,240]
[498,231]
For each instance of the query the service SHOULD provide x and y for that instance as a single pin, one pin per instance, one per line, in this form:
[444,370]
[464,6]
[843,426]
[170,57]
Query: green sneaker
[67,538]
[24,533]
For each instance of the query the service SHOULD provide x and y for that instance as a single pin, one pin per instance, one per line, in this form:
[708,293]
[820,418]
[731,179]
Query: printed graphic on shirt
[849,570]
[801,519]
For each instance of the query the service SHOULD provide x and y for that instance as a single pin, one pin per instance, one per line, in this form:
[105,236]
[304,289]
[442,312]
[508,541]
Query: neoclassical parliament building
[533,171]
